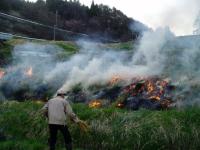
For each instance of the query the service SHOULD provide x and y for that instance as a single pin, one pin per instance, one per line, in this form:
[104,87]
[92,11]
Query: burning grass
[2,73]
[95,104]
[110,128]
[155,90]
[29,72]
[151,93]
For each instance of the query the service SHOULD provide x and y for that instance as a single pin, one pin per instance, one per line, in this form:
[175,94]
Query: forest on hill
[97,21]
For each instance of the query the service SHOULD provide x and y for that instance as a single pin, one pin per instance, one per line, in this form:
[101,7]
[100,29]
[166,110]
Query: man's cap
[61,92]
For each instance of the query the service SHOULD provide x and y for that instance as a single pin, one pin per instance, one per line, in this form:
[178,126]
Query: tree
[99,20]
[52,5]
[40,3]
[4,5]
[94,10]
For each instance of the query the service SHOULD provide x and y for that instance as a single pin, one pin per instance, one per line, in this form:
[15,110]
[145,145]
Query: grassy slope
[22,127]
[69,48]
[121,46]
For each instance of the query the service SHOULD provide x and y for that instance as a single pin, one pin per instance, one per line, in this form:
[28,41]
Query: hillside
[69,47]
[98,21]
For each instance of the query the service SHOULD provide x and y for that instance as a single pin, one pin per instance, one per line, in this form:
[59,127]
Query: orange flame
[95,104]
[155,98]
[2,73]
[150,87]
[120,105]
[29,72]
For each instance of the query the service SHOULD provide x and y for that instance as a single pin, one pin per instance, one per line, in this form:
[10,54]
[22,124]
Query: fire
[153,89]
[155,98]
[29,72]
[2,73]
[150,86]
[95,104]
[120,105]
[115,79]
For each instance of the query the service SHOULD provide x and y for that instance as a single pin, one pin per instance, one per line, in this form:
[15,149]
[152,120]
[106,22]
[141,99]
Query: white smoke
[159,53]
[179,15]
[39,57]
[94,65]
[150,50]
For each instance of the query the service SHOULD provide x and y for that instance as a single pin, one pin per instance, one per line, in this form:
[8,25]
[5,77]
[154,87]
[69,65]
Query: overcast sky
[179,15]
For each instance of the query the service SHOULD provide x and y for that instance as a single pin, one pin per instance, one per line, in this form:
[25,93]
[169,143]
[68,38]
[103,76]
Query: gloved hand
[83,125]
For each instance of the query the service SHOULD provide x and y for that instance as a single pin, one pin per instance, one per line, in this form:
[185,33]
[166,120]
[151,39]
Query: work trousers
[53,129]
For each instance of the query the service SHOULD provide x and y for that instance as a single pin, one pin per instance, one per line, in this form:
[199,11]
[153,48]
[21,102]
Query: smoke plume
[159,53]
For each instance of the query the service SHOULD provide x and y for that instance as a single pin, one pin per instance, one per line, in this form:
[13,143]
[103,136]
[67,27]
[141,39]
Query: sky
[178,15]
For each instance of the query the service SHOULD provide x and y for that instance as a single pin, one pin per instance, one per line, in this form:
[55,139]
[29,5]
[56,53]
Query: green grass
[23,127]
[22,145]
[122,46]
[67,46]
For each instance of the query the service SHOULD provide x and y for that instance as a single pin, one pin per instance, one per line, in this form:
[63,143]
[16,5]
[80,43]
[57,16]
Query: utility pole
[55,26]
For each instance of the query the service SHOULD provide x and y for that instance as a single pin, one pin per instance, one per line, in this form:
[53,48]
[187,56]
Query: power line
[7,36]
[24,20]
[40,24]
[53,28]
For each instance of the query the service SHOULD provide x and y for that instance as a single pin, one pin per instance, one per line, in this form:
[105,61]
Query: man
[57,110]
